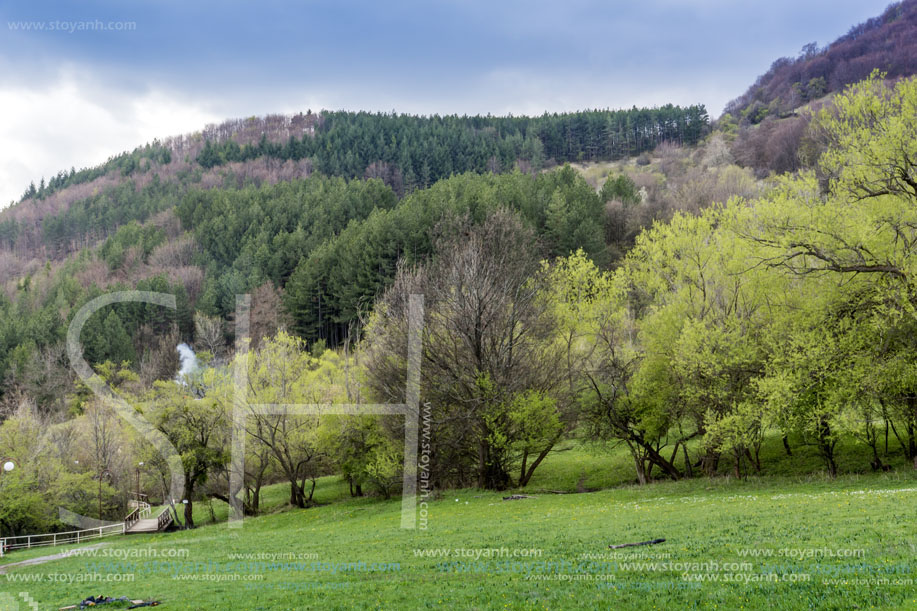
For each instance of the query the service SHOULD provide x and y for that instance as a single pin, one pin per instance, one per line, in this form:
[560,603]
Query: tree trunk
[189,514]
[247,509]
[639,463]
[297,495]
[826,447]
[306,502]
[189,509]
[641,472]
[710,461]
[527,475]
[657,459]
[886,436]
[491,475]
[531,470]
[256,498]
[754,458]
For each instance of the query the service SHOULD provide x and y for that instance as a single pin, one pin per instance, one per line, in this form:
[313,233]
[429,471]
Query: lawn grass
[351,553]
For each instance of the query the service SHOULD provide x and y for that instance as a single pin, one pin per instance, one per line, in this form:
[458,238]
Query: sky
[82,80]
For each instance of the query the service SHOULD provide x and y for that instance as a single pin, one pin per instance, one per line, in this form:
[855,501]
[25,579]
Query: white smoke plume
[188,362]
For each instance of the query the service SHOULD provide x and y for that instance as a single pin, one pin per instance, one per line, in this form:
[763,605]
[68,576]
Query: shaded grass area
[580,466]
[274,498]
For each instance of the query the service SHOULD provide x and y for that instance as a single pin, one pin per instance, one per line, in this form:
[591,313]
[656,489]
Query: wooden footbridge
[140,520]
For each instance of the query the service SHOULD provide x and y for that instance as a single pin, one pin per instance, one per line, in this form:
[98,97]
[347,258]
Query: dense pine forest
[410,152]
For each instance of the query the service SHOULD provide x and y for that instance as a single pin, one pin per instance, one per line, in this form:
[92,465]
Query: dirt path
[44,559]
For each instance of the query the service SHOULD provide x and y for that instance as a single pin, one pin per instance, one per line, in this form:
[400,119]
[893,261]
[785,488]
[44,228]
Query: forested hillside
[257,205]
[76,209]
[414,152]
[887,43]
[747,311]
[630,277]
[768,126]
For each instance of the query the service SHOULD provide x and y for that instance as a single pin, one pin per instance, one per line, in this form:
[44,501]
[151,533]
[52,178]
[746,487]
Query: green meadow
[778,541]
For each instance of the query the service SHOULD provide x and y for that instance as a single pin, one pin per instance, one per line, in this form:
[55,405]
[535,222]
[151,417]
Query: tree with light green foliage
[361,447]
[195,424]
[597,337]
[706,306]
[848,236]
[41,480]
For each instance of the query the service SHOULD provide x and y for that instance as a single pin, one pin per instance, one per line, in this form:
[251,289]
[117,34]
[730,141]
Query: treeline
[411,152]
[887,43]
[76,209]
[125,163]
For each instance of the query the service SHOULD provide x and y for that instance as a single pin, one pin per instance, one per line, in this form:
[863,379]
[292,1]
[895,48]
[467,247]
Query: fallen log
[620,545]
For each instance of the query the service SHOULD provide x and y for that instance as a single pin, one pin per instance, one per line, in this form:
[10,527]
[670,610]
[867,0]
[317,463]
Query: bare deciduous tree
[486,341]
[208,334]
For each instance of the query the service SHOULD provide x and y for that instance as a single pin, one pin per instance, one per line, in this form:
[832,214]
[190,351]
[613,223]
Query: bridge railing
[8,544]
[140,511]
[165,518]
[132,518]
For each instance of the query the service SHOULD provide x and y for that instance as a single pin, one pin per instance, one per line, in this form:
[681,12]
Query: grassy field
[777,541]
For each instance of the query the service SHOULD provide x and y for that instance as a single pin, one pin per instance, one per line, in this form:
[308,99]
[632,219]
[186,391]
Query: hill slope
[887,43]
